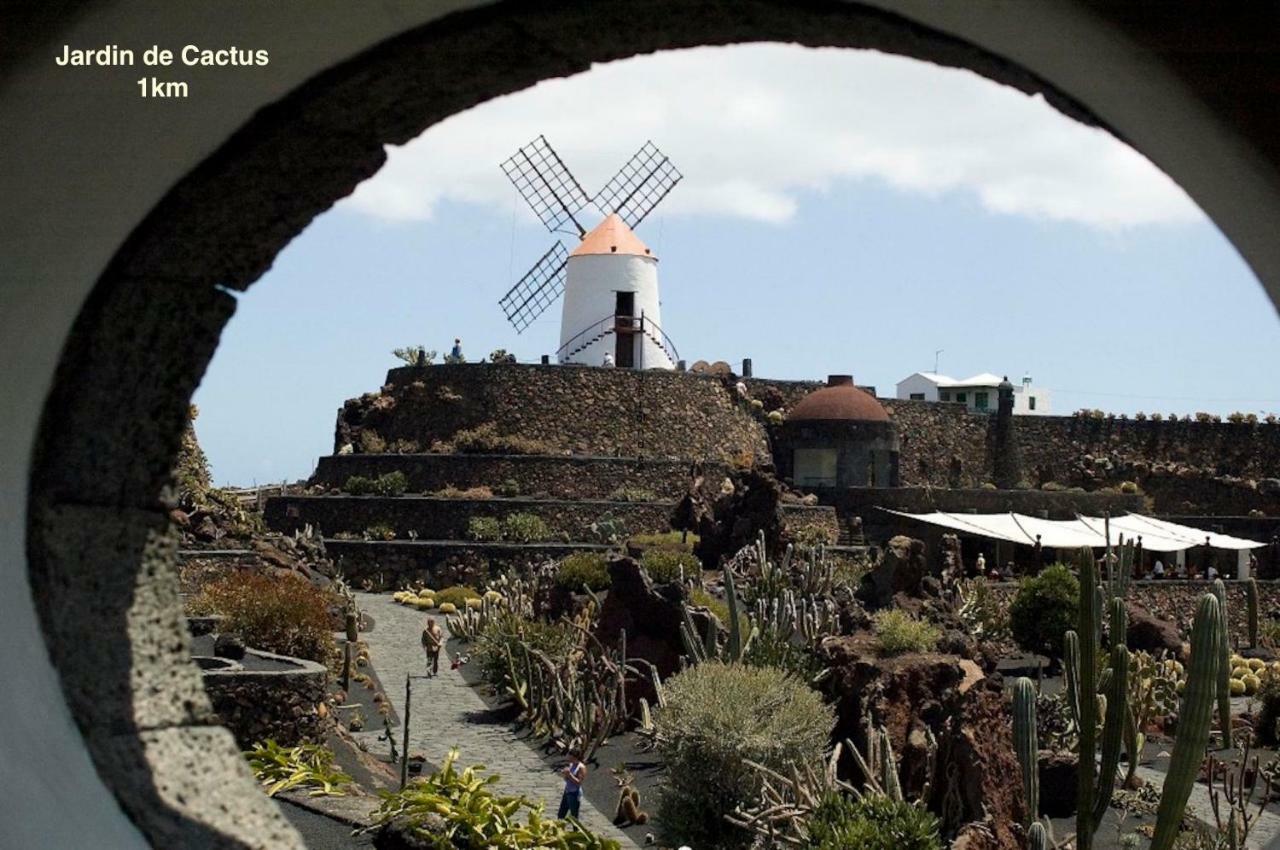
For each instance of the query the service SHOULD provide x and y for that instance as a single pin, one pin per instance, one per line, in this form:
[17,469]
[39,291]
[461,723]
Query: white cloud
[754,127]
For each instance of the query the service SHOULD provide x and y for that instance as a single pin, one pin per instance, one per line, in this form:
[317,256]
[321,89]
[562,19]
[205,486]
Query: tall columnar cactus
[1082,650]
[1224,663]
[1193,722]
[1251,593]
[1026,745]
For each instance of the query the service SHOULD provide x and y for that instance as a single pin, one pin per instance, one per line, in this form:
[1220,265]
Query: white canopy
[1155,535]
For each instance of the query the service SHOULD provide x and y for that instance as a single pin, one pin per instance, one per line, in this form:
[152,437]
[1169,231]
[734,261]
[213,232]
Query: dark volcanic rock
[901,570]
[228,646]
[930,696]
[1149,633]
[650,613]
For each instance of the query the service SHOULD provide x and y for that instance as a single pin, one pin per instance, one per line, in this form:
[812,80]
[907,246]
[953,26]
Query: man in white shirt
[1158,570]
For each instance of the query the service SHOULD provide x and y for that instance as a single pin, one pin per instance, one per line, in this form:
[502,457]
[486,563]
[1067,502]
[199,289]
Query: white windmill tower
[610,279]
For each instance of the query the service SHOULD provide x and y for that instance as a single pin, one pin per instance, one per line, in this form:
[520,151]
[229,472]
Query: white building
[611,302]
[979,392]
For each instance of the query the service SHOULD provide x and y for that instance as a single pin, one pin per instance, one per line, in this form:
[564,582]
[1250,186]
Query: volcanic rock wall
[556,410]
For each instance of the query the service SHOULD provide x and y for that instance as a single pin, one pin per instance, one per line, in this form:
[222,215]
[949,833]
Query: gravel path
[444,711]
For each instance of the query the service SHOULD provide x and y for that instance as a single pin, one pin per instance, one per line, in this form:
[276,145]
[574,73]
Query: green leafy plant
[665,565]
[380,531]
[284,614]
[983,614]
[716,718]
[583,569]
[871,822]
[608,529]
[1045,607]
[304,766]
[454,808]
[415,355]
[485,529]
[898,632]
[719,607]
[525,528]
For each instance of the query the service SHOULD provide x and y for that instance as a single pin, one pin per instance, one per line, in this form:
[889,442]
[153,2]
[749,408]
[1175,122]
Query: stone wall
[434,518]
[579,477]
[940,445]
[277,704]
[379,565]
[1213,467]
[556,409]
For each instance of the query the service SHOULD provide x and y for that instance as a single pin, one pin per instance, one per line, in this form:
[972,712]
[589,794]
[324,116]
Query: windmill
[609,280]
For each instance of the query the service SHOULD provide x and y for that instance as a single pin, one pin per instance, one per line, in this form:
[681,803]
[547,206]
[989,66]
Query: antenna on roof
[557,199]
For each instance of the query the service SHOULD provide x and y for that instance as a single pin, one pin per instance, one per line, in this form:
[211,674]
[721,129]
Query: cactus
[1091,695]
[1194,719]
[1251,593]
[1224,663]
[1037,838]
[1025,744]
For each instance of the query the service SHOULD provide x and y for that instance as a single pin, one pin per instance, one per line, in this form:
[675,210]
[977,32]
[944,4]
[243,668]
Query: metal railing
[614,323]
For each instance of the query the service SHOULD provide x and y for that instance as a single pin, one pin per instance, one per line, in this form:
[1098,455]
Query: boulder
[941,713]
[229,645]
[901,569]
[650,613]
[1149,633]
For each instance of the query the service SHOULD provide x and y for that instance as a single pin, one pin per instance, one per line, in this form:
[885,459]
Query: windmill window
[1031,402]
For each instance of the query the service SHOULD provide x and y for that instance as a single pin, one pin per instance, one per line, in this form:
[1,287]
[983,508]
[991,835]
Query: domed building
[837,436]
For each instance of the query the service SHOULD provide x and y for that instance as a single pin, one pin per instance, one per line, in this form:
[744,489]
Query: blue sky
[948,213]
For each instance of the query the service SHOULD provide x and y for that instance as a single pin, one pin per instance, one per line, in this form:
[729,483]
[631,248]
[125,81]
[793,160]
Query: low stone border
[277,704]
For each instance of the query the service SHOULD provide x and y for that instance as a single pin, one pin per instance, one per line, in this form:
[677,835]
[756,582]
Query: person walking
[574,773]
[432,641]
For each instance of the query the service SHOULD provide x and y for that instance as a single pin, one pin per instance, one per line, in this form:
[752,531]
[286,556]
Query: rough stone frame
[99,539]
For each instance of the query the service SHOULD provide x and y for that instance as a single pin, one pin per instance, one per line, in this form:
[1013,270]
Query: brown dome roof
[839,399]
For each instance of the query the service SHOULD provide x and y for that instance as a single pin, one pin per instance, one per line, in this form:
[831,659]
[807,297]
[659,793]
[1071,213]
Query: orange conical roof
[612,236]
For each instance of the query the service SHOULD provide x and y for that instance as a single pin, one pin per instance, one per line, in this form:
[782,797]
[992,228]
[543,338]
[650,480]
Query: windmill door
[624,333]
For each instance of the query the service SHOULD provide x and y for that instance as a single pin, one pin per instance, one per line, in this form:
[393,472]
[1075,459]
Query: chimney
[840,380]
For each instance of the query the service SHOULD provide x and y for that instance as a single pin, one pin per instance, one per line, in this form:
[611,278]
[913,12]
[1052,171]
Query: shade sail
[1156,535]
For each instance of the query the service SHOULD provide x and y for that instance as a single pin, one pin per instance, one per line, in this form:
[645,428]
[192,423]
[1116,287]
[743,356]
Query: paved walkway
[439,720]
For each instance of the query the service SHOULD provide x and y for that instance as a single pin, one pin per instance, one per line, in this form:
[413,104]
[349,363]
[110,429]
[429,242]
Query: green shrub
[486,529]
[1128,487]
[525,528]
[460,808]
[380,531]
[485,439]
[664,565]
[509,489]
[872,822]
[458,594]
[608,529]
[388,484]
[717,717]
[813,535]
[589,569]
[632,494]
[898,632]
[1045,607]
[666,540]
[286,614]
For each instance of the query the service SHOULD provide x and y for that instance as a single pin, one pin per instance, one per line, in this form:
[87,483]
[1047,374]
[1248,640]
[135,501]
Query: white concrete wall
[917,384]
[592,282]
[1022,404]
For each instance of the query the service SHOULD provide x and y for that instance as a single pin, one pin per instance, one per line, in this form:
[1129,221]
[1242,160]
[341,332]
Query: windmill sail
[639,185]
[537,290]
[547,185]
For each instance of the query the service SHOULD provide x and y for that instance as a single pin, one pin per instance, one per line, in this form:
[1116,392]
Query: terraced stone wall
[534,475]
[556,409]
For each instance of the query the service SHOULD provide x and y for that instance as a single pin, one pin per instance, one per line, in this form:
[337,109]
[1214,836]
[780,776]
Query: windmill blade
[546,184]
[639,185]
[537,290]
